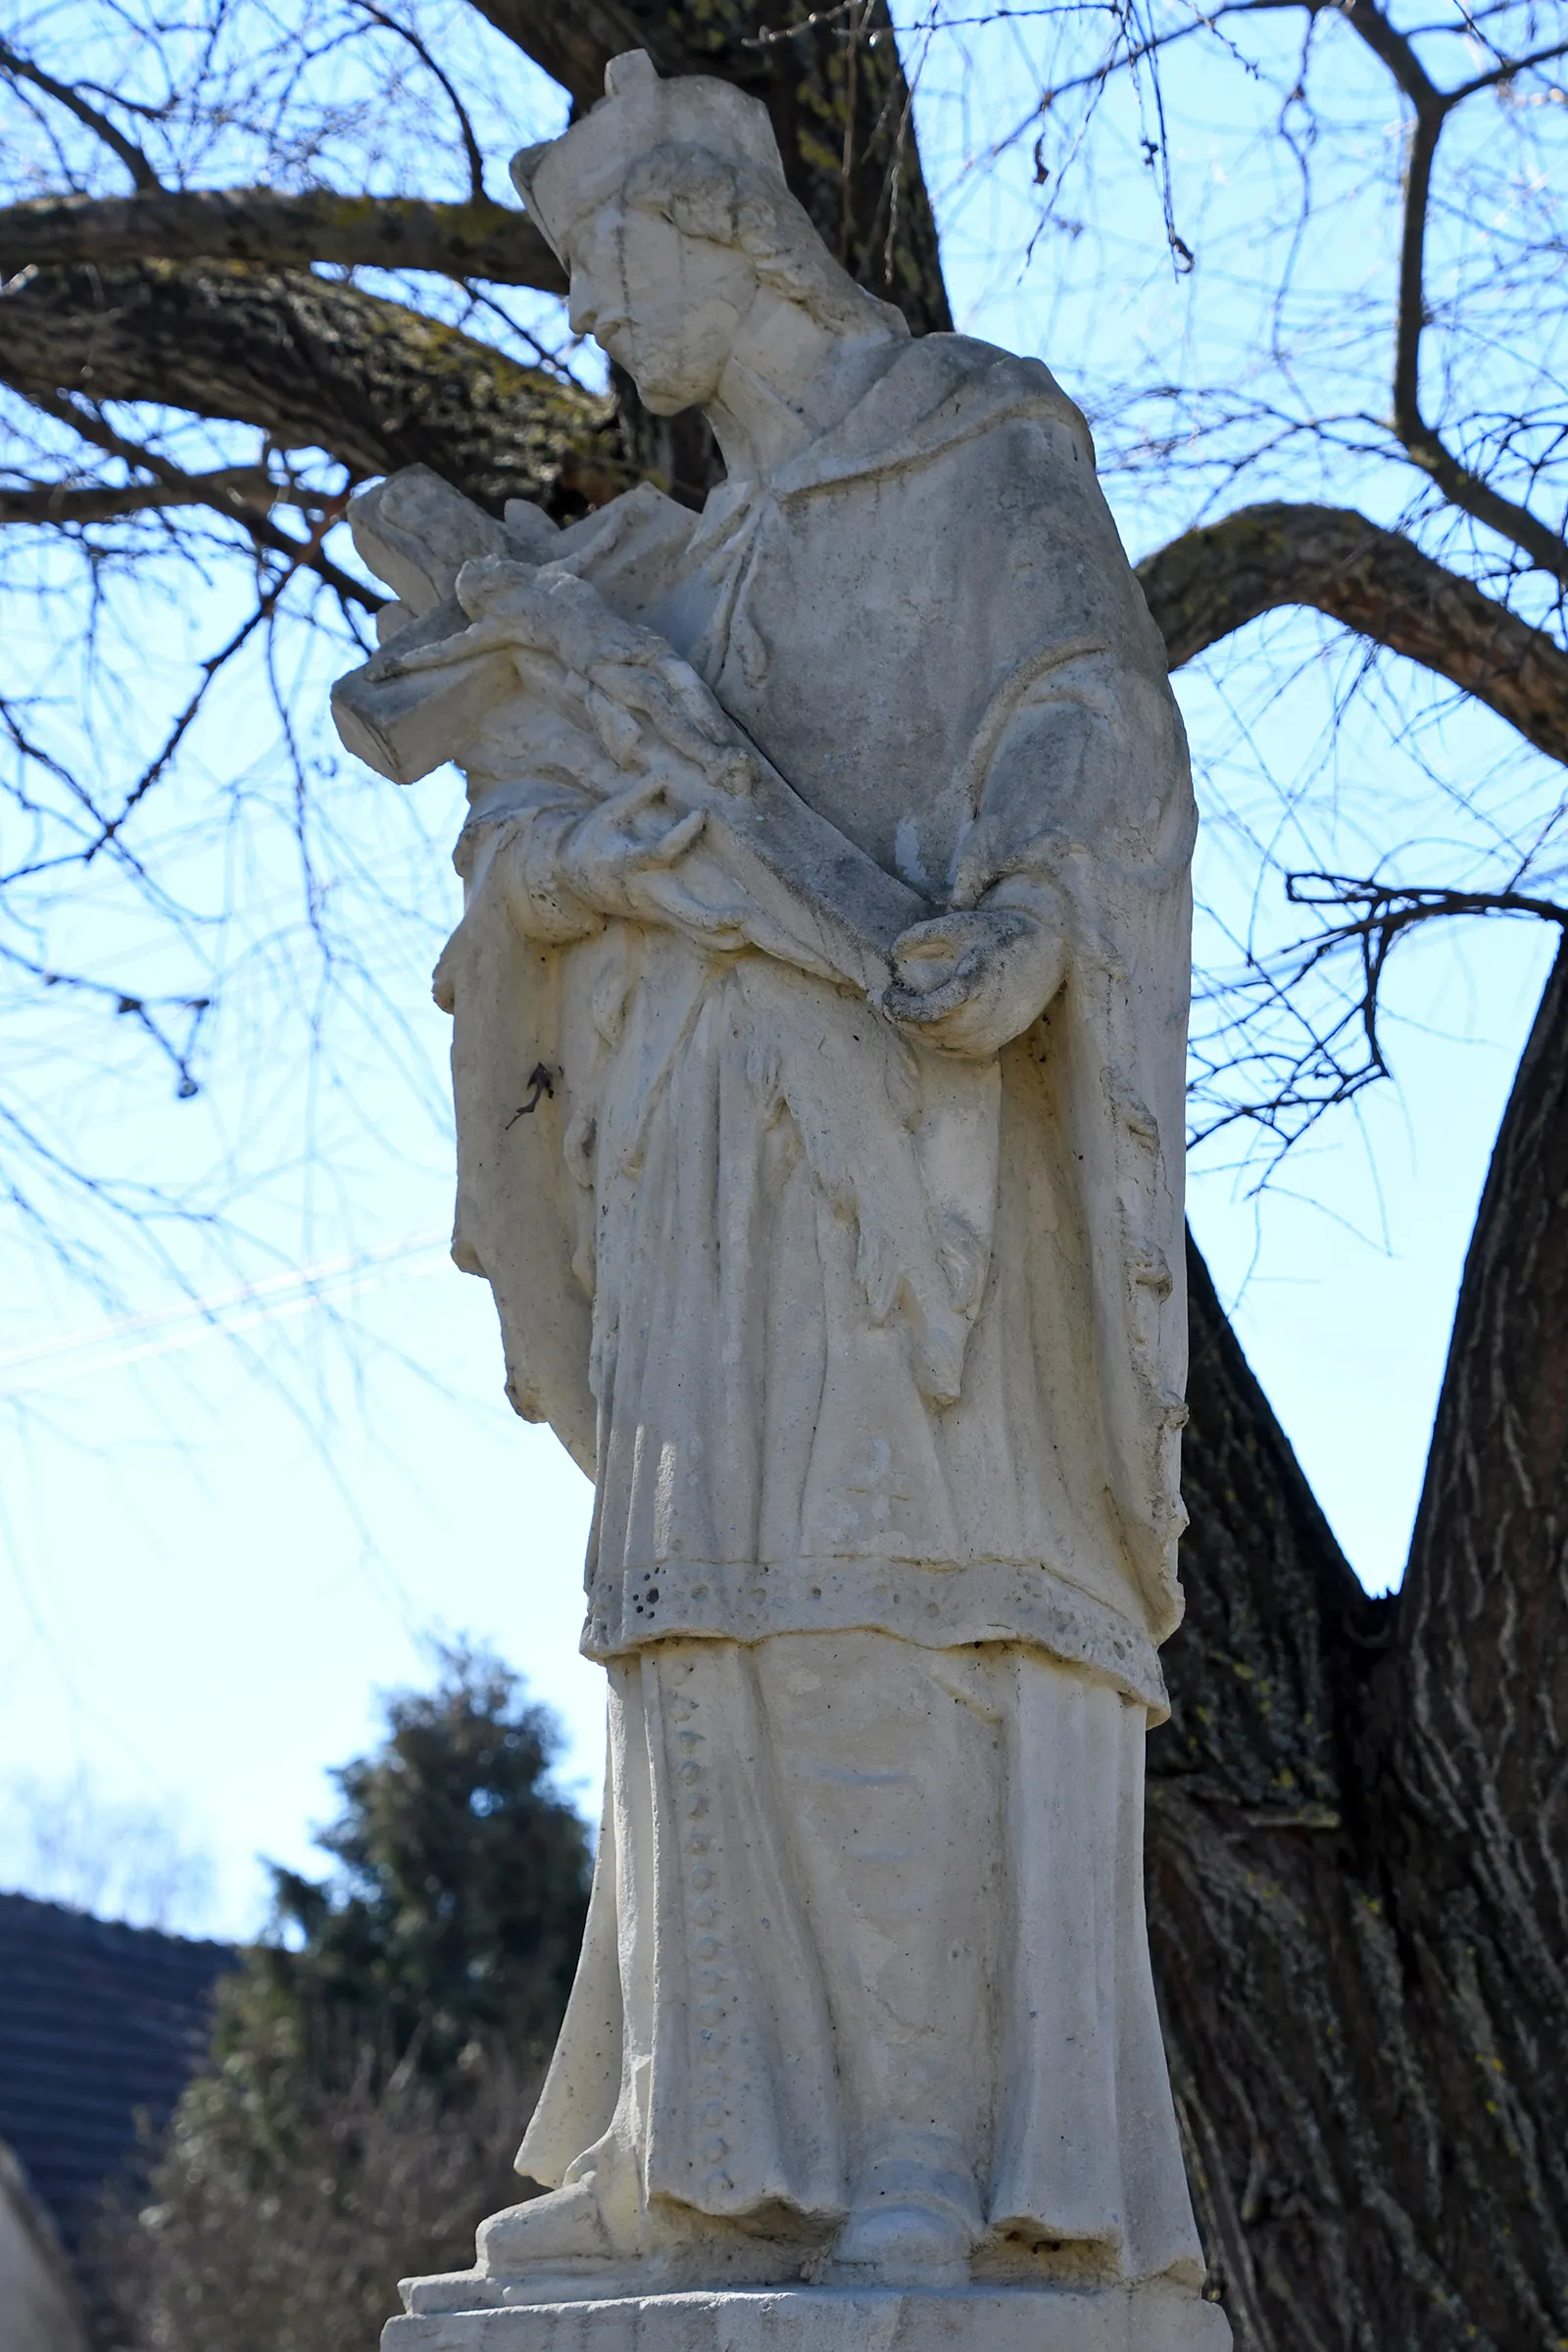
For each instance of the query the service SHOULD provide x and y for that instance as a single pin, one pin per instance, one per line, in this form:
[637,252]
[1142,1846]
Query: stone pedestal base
[826,2319]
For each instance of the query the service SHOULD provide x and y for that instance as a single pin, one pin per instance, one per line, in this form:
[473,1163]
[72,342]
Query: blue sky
[226,1528]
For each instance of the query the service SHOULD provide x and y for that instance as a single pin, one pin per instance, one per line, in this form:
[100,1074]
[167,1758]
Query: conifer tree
[375,2058]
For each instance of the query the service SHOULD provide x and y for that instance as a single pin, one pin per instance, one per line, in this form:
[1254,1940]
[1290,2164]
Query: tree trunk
[1358,1830]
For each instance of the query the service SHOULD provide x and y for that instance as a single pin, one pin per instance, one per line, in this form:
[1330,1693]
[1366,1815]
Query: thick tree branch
[315,365]
[1212,581]
[1358,1947]
[1248,1879]
[1270,1597]
[232,489]
[478,239]
[1466,1736]
[574,43]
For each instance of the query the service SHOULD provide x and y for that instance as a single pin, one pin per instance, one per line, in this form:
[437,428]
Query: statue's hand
[969,981]
[620,859]
[647,704]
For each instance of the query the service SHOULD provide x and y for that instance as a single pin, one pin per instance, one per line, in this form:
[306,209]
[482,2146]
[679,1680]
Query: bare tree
[68,1845]
[210,330]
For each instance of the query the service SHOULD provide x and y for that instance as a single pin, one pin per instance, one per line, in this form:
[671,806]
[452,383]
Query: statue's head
[668,208]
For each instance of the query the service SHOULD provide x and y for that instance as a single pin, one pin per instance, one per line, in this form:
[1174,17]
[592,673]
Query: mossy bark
[478,239]
[314,363]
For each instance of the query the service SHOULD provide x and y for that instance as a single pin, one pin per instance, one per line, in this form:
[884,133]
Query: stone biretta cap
[563,180]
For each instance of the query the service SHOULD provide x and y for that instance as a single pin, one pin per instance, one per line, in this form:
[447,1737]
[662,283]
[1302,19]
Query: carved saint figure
[819,1014]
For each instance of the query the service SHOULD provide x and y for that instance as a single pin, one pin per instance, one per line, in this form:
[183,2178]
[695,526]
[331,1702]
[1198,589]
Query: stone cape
[965,476]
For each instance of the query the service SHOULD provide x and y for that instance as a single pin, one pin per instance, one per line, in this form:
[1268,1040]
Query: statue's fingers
[922,1006]
[621,679]
[924,975]
[976,864]
[716,926]
[480,637]
[679,840]
[634,801]
[924,942]
[628,685]
[670,695]
[650,698]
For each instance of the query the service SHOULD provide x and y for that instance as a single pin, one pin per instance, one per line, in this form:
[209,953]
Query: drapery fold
[716,2043]
[995,718]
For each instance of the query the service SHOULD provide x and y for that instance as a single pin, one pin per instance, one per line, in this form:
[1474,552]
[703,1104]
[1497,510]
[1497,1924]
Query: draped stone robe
[857,1336]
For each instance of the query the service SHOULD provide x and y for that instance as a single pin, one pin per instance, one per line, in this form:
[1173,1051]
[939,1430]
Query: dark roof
[97,2021]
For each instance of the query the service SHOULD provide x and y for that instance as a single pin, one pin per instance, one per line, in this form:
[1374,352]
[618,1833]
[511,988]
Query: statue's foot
[574,2244]
[908,2244]
[566,2226]
[556,2247]
[914,2216]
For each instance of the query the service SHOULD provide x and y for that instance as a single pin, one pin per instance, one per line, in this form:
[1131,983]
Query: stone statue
[820,1009]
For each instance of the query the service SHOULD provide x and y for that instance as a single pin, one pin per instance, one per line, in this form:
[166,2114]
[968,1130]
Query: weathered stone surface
[826,2320]
[820,1010]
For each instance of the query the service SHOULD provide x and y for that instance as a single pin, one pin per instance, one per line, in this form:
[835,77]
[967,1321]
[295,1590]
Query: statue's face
[666,307]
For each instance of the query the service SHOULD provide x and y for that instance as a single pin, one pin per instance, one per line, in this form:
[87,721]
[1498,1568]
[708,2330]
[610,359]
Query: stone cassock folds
[819,1011]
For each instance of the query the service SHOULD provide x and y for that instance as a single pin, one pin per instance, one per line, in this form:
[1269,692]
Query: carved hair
[705,195]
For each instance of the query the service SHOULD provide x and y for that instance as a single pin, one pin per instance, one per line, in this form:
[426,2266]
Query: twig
[129,154]
[209,671]
[230,488]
